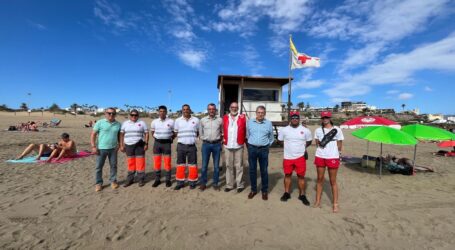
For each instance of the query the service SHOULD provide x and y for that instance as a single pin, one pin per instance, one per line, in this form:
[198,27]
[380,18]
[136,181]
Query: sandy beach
[54,206]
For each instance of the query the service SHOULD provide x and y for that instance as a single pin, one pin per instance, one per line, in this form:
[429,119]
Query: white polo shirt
[331,149]
[133,131]
[295,140]
[186,129]
[162,129]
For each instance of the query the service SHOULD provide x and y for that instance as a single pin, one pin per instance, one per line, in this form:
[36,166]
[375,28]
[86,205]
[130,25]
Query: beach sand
[55,205]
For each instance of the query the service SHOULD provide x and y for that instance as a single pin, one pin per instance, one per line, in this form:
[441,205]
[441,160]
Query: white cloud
[193,58]
[308,84]
[428,89]
[375,24]
[306,96]
[251,58]
[37,25]
[399,68]
[393,92]
[284,16]
[405,96]
[111,15]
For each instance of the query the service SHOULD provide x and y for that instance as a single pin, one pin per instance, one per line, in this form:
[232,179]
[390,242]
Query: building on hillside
[433,117]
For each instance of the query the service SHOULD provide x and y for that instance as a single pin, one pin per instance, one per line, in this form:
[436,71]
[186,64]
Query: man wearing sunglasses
[104,141]
[134,139]
[296,139]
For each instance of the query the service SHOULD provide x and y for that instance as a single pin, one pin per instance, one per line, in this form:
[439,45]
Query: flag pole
[290,79]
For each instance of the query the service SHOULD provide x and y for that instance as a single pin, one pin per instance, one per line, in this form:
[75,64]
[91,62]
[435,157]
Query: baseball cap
[326,114]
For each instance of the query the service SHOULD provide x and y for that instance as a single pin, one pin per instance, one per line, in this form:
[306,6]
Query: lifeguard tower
[250,92]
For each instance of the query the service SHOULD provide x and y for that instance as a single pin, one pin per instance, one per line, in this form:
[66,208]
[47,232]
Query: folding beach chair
[55,122]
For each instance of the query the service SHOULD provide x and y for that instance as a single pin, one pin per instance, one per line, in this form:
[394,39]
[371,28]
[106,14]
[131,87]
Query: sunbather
[44,150]
[65,148]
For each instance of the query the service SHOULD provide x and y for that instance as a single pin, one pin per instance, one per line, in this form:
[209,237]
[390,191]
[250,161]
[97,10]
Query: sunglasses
[295,118]
[134,115]
[110,113]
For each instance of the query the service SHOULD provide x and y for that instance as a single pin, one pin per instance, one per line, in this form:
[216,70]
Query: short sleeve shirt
[294,141]
[210,128]
[107,133]
[186,129]
[331,149]
[162,129]
[133,131]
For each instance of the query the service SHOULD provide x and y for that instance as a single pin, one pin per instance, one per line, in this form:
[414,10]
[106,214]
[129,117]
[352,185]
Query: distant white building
[433,117]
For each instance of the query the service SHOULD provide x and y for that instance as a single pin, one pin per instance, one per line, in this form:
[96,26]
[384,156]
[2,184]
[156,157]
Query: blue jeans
[260,154]
[208,149]
[100,159]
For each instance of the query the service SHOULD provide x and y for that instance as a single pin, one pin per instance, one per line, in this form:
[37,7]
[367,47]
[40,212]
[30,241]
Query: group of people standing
[234,132]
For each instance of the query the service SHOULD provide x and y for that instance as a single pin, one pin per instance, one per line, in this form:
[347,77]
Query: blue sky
[112,53]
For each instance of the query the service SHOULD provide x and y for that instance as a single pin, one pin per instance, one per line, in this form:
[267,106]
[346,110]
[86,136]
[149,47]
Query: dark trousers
[260,154]
[207,150]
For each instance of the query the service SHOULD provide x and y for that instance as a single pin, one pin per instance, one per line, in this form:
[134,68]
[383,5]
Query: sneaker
[98,187]
[156,183]
[304,200]
[114,185]
[285,197]
[168,183]
[239,190]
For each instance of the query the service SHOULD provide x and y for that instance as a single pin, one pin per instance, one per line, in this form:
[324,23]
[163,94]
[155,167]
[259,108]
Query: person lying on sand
[44,150]
[65,148]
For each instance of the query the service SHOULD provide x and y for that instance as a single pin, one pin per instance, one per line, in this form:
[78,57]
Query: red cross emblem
[303,58]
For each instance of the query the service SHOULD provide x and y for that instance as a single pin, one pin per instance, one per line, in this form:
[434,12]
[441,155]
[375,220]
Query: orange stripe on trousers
[131,162]
[180,173]
[157,162]
[167,163]
[140,164]
[192,173]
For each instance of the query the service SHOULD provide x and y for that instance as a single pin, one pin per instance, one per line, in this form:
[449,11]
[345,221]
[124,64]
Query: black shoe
[227,190]
[216,187]
[178,187]
[239,190]
[285,197]
[156,183]
[168,183]
[202,187]
[141,183]
[304,200]
[192,185]
[128,183]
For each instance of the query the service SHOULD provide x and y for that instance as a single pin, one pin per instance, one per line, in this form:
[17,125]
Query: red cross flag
[301,60]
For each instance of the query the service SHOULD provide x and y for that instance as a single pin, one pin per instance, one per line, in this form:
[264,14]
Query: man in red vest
[234,133]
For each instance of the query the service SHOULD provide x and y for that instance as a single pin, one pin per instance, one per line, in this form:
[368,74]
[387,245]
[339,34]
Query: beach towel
[80,154]
[29,159]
